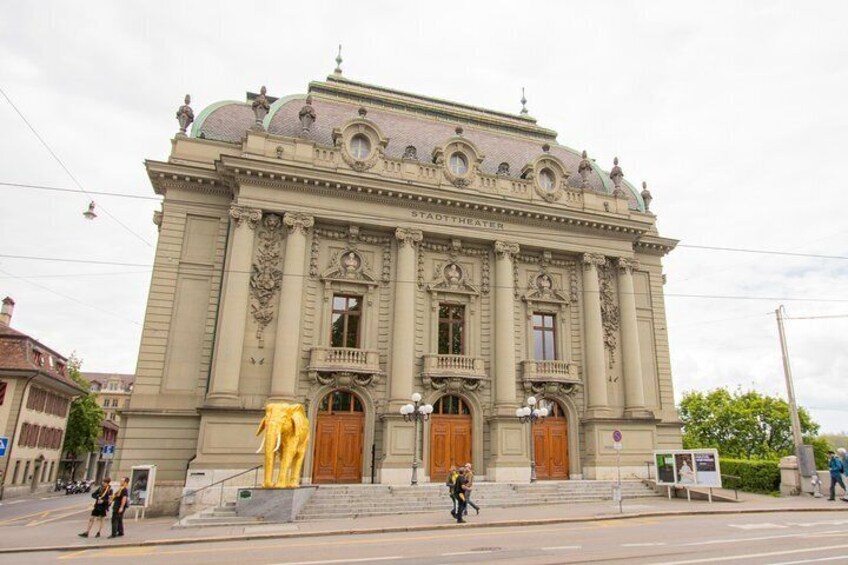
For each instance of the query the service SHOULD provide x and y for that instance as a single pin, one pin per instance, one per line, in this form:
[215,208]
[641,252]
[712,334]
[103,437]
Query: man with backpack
[836,470]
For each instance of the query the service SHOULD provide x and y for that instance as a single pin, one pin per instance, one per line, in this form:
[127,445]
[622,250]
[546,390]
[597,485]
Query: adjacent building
[348,247]
[35,397]
[113,395]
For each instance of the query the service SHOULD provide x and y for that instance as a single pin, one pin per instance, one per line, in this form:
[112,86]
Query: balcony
[344,366]
[550,377]
[453,373]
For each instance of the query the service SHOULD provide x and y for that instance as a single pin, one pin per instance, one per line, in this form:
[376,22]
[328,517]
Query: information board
[688,467]
[142,482]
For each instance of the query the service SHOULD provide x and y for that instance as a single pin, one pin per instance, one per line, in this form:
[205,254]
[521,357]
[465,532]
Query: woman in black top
[102,496]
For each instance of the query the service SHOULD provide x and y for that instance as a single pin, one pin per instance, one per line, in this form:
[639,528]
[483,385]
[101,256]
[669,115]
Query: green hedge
[754,475]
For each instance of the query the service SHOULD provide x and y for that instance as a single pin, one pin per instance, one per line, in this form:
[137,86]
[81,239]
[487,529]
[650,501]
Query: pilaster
[634,390]
[596,379]
[403,327]
[505,377]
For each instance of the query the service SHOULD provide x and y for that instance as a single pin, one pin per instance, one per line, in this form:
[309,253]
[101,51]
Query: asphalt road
[34,512]
[775,538]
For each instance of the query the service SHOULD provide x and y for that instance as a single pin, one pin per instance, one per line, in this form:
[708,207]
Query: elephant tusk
[261,445]
[279,437]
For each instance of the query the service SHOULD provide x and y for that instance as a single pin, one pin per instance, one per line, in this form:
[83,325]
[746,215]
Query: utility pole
[790,388]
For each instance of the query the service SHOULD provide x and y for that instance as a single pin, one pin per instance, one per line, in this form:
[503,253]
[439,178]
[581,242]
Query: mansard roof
[407,120]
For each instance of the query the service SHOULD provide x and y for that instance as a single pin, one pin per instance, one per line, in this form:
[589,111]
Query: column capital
[297,221]
[590,260]
[245,213]
[627,266]
[408,236]
[506,249]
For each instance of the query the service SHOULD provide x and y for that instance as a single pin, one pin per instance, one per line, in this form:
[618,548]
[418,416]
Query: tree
[744,425]
[84,418]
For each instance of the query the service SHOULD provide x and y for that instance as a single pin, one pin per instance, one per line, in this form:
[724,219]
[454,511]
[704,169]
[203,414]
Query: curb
[404,529]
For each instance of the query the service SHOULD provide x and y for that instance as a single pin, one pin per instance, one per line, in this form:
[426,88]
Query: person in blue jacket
[836,470]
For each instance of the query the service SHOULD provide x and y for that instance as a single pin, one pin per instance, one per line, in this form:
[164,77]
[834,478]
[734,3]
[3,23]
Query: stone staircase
[219,516]
[350,501]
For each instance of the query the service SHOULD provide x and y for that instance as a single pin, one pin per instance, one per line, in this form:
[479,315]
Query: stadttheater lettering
[456,220]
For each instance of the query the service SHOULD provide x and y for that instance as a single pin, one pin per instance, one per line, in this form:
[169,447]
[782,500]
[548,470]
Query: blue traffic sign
[4,443]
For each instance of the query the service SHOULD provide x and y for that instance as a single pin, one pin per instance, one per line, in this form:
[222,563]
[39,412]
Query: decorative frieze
[266,274]
[627,265]
[406,236]
[296,221]
[609,310]
[506,249]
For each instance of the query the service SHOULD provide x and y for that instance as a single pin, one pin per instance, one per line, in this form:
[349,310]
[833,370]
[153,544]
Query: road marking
[763,526]
[738,540]
[455,553]
[822,523]
[836,558]
[55,518]
[330,561]
[648,544]
[557,548]
[754,555]
[74,555]
[41,512]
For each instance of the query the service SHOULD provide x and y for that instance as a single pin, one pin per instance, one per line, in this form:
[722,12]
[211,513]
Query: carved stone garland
[266,275]
[343,379]
[609,309]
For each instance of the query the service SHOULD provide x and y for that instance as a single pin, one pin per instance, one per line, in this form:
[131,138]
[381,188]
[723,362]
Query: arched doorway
[339,431]
[550,440]
[450,436]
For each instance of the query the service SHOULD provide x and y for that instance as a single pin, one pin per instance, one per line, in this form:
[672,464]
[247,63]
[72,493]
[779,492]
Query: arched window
[451,405]
[458,164]
[360,147]
[546,179]
[340,401]
[554,409]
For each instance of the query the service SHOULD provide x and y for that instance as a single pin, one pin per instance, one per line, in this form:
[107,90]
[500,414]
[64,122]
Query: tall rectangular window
[544,337]
[347,315]
[451,329]
[2,392]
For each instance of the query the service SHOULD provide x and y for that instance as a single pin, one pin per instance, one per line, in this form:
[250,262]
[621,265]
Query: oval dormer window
[547,179]
[360,147]
[458,164]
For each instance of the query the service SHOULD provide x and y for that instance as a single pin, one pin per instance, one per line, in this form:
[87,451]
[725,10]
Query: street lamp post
[530,414]
[416,412]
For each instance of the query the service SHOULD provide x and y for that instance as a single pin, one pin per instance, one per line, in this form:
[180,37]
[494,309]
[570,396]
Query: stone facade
[411,209]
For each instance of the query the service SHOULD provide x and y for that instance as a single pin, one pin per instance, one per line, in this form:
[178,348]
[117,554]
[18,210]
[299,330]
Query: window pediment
[349,266]
[544,288]
[450,277]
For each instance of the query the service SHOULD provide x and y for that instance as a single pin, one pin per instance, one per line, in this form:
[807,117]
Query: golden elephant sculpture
[286,437]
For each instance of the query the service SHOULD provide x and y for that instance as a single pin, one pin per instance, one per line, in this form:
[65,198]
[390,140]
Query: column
[286,353]
[403,326]
[235,296]
[593,332]
[634,391]
[504,325]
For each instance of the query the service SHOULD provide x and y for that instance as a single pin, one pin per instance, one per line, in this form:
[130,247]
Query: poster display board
[688,467]
[142,482]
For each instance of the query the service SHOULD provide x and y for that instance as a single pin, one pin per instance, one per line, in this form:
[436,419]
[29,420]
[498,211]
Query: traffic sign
[4,443]
[616,436]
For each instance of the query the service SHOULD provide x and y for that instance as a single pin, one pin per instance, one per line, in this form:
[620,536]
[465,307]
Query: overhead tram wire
[175,268]
[68,171]
[76,191]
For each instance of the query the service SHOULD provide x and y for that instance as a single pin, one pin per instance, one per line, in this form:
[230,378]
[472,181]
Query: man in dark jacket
[119,504]
[459,491]
[836,471]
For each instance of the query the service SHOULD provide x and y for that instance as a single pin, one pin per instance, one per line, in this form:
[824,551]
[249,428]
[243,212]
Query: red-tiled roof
[16,354]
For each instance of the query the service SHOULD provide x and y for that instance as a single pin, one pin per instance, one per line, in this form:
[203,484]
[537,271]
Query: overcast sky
[733,112]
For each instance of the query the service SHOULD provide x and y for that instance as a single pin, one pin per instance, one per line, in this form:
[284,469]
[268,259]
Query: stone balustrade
[344,359]
[453,371]
[547,370]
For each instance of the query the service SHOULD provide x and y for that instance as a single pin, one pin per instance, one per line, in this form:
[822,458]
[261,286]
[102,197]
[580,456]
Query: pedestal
[273,504]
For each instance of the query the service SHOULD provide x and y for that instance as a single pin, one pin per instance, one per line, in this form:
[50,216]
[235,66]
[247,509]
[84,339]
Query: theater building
[351,246]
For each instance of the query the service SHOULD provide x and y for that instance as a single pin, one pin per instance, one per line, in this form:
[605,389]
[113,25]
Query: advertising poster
[688,467]
[141,485]
[665,468]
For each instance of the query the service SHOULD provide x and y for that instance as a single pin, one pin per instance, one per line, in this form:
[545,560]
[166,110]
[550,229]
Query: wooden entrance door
[339,433]
[450,436]
[550,440]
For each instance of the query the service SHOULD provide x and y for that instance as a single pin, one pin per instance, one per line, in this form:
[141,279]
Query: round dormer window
[547,180]
[458,164]
[360,147]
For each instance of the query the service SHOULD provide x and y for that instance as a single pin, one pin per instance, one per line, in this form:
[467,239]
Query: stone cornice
[165,176]
[654,245]
[289,175]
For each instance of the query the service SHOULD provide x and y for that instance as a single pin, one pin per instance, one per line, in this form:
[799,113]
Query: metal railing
[221,482]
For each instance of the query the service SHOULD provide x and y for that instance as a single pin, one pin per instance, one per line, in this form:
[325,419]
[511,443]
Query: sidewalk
[62,535]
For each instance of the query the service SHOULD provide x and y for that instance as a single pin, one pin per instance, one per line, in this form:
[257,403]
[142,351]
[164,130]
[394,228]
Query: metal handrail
[192,493]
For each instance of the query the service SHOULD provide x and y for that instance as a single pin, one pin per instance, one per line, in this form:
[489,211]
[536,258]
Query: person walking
[836,470]
[119,504]
[459,491]
[469,477]
[450,482]
[102,496]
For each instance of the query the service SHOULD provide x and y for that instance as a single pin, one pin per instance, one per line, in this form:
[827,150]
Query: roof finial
[185,115]
[646,196]
[338,70]
[523,103]
[616,174]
